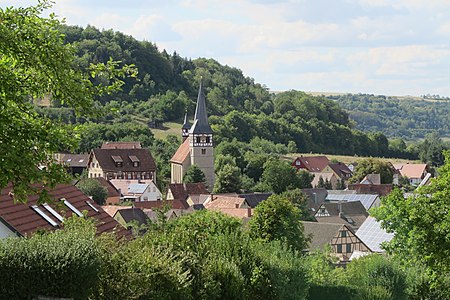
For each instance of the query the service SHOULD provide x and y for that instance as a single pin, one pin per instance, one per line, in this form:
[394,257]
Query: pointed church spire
[186,124]
[201,124]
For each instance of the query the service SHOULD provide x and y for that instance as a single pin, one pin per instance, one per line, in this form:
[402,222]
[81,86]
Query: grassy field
[168,128]
[346,159]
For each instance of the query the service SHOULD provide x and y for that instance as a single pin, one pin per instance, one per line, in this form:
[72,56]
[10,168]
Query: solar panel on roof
[92,206]
[373,235]
[53,212]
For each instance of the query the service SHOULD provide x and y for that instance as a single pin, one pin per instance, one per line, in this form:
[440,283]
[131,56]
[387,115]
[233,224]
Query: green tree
[421,226]
[194,175]
[373,166]
[300,200]
[93,188]
[35,64]
[279,176]
[276,218]
[228,180]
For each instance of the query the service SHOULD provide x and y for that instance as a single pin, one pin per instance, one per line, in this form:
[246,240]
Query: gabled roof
[25,220]
[182,152]
[107,157]
[181,191]
[241,213]
[340,169]
[133,214]
[353,214]
[219,202]
[201,124]
[121,145]
[325,176]
[371,179]
[254,199]
[112,191]
[321,233]
[75,160]
[411,170]
[313,163]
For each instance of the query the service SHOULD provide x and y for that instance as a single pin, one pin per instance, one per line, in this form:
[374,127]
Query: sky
[390,47]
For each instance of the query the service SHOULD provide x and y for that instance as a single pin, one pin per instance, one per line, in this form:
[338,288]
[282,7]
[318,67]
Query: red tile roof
[341,170]
[24,220]
[182,152]
[411,170]
[181,191]
[311,163]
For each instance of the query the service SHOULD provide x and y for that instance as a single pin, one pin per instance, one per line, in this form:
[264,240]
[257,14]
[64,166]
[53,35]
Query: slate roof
[254,199]
[321,233]
[186,124]
[133,214]
[354,214]
[24,220]
[182,152]
[121,145]
[181,191]
[201,124]
[75,160]
[105,159]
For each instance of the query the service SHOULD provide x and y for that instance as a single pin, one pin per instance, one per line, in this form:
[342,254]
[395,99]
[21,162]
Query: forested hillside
[406,118]
[248,121]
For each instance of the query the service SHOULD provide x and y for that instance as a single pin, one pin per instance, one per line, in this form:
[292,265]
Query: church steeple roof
[186,124]
[201,124]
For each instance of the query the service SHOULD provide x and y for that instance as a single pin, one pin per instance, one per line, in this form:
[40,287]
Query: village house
[326,177]
[414,172]
[24,219]
[351,214]
[340,237]
[371,233]
[197,147]
[137,164]
[187,194]
[76,164]
[311,164]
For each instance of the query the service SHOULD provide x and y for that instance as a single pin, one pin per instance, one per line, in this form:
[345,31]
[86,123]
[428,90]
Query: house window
[145,198]
[339,248]
[129,175]
[197,139]
[297,163]
[136,164]
[348,248]
[203,151]
[343,233]
[208,139]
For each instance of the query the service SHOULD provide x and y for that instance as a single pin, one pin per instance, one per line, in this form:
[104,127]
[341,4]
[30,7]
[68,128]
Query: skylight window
[92,206]
[72,208]
[53,212]
[43,215]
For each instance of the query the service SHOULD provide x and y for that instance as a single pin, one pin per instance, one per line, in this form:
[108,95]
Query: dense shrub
[63,263]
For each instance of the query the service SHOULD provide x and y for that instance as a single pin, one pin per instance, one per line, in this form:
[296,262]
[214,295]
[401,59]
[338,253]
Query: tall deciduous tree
[228,180]
[276,218]
[279,176]
[35,64]
[194,175]
[373,166]
[91,187]
[421,224]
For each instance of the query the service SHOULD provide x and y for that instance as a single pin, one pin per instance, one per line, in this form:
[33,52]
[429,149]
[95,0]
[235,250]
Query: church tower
[185,128]
[201,140]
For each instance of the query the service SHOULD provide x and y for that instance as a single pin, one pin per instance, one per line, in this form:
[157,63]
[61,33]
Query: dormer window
[118,161]
[134,160]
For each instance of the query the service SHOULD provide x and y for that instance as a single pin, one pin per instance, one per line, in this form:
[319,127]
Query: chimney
[249,212]
[236,205]
[341,213]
